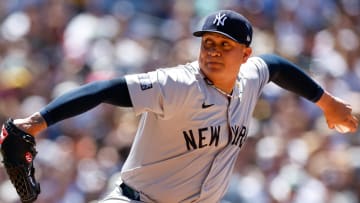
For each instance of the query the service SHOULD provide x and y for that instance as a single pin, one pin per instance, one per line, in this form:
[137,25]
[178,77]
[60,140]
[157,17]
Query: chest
[213,119]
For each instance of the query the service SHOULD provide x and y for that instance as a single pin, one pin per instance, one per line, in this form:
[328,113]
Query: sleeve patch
[144,81]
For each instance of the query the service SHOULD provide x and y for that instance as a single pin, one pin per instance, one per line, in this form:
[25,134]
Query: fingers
[347,125]
[354,123]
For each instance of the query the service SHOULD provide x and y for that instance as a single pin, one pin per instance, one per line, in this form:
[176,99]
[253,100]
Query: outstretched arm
[75,102]
[290,77]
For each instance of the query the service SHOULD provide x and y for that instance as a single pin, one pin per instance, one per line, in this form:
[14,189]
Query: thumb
[331,125]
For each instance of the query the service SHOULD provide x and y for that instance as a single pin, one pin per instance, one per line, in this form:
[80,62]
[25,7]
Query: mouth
[213,63]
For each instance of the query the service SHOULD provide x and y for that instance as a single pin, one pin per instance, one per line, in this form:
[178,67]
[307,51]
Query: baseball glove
[18,152]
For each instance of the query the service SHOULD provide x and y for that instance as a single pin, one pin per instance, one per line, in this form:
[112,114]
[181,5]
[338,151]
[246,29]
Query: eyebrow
[221,40]
[222,37]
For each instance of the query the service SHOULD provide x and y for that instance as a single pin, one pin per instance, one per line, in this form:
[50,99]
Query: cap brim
[202,32]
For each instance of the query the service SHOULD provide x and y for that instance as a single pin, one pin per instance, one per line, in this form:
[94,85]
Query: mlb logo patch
[144,81]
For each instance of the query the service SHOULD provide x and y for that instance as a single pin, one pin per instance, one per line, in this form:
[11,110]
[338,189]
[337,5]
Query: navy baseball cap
[228,23]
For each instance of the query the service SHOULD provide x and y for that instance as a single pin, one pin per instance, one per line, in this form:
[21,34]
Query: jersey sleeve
[291,77]
[161,92]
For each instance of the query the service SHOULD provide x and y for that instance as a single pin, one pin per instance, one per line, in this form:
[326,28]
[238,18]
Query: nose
[214,53]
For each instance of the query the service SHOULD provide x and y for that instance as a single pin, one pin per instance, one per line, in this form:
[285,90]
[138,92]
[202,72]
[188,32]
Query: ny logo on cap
[220,19]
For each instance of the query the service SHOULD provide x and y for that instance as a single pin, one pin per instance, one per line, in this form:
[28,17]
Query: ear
[247,53]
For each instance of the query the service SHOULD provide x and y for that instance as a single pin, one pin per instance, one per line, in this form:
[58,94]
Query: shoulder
[254,62]
[255,70]
[185,73]
[254,65]
[191,68]
[176,75]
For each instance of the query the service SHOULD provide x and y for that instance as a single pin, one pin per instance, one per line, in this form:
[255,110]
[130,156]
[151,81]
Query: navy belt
[129,192]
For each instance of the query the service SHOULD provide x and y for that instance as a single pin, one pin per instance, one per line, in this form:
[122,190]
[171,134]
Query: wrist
[32,125]
[325,101]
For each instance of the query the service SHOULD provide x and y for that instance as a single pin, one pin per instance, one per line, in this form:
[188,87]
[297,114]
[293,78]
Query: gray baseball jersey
[190,133]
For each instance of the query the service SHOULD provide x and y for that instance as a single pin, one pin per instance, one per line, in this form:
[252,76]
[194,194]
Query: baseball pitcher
[195,117]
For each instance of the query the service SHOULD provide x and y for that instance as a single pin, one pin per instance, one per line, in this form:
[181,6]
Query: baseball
[342,128]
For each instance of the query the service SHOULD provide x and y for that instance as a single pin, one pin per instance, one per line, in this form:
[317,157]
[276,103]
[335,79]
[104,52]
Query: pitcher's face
[221,57]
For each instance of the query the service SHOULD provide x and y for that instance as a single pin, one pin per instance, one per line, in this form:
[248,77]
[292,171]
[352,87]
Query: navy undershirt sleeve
[86,97]
[290,77]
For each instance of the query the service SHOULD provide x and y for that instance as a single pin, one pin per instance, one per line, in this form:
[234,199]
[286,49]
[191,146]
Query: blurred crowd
[48,47]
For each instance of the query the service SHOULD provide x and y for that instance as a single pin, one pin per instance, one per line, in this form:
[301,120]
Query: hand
[338,113]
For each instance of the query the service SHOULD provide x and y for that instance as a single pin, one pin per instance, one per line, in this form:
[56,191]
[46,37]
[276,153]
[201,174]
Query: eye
[208,43]
[226,45]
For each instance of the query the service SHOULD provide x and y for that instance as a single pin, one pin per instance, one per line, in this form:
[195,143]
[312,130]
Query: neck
[224,88]
[225,85]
